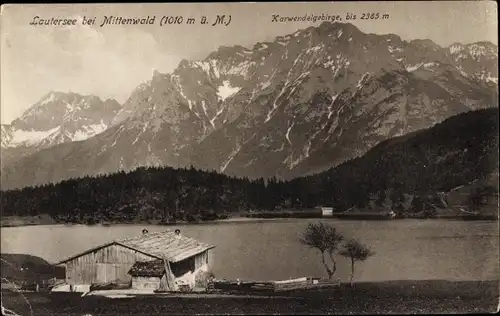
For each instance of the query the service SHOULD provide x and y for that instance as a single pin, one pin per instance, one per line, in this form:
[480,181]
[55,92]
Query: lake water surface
[267,250]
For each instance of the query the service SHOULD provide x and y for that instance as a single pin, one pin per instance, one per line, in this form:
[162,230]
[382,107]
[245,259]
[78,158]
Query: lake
[266,250]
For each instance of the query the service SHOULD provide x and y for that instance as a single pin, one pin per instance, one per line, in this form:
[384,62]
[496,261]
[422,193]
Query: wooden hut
[326,211]
[140,261]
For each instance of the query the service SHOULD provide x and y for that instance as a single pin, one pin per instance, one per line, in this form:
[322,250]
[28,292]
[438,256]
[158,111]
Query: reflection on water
[405,249]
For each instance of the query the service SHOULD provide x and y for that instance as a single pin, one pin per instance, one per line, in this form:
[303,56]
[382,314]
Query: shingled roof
[167,244]
[148,268]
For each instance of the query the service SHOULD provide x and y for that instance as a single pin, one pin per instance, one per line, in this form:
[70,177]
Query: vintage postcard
[249,158]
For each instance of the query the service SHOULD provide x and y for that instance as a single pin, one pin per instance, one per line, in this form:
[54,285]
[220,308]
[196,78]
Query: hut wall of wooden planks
[103,265]
[147,282]
[134,261]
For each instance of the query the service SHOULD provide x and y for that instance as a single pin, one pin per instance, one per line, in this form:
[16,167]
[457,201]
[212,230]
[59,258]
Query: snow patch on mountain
[462,71]
[58,118]
[240,69]
[226,90]
[363,80]
[89,131]
[455,48]
[411,68]
[475,50]
[263,46]
[117,135]
[336,64]
[265,84]
[51,97]
[393,49]
[5,135]
[315,48]
[492,79]
[486,76]
[204,107]
[287,135]
[330,107]
[231,157]
[181,92]
[144,128]
[209,67]
[30,137]
[219,112]
[430,65]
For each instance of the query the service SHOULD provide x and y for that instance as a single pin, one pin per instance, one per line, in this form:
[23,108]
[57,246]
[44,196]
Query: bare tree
[355,251]
[326,239]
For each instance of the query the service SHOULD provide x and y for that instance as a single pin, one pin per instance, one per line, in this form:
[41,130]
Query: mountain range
[434,171]
[56,119]
[300,104]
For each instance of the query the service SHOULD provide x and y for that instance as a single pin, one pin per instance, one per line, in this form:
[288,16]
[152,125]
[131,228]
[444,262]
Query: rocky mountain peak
[58,117]
[300,103]
[56,108]
[478,61]
[228,52]
[156,73]
[425,43]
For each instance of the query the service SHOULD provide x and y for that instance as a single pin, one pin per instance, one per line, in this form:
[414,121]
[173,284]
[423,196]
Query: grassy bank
[415,297]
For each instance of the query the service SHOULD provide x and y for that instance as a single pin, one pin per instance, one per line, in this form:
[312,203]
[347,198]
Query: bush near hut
[203,278]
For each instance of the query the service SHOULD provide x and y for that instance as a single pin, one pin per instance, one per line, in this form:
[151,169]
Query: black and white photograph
[249,158]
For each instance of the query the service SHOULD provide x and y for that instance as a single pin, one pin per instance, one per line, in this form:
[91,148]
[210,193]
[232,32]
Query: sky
[110,61]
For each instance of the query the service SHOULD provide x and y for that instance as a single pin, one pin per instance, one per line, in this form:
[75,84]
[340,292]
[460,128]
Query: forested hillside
[456,152]
[398,174]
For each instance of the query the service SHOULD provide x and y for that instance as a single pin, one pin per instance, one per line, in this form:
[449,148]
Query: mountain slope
[396,174]
[57,118]
[303,103]
[476,60]
[456,152]
[6,135]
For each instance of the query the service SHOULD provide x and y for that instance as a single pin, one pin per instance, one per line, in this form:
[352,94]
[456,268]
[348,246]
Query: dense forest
[404,174]
[455,152]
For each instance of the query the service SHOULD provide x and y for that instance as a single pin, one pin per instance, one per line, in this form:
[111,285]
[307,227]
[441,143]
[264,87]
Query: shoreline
[19,222]
[7,222]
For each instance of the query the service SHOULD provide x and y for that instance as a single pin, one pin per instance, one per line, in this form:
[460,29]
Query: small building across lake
[326,211]
[162,260]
